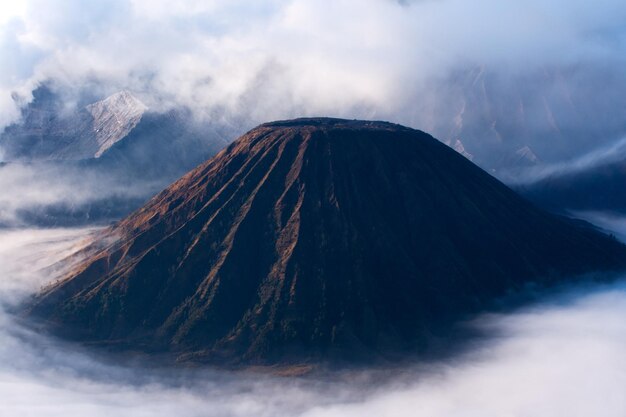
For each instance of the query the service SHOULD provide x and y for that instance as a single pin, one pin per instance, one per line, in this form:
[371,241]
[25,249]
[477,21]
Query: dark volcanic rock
[317,238]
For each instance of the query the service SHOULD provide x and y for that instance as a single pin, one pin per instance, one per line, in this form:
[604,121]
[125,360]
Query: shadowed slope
[599,188]
[317,237]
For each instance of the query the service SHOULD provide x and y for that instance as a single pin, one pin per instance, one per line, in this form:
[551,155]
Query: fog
[496,75]
[563,356]
[599,156]
[48,193]
[609,222]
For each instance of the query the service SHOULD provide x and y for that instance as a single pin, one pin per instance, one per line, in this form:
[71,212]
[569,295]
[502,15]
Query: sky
[548,74]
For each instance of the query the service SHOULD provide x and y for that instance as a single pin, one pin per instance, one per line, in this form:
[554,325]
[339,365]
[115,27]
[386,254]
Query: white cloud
[293,57]
[32,189]
[564,357]
[12,9]
[604,155]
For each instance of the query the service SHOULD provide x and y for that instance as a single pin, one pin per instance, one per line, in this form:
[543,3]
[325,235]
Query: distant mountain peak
[50,130]
[114,117]
[527,155]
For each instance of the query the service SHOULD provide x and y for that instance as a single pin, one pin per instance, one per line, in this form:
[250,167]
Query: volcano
[316,238]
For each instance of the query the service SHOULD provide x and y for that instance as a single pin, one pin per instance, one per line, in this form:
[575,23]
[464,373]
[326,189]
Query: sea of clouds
[563,356]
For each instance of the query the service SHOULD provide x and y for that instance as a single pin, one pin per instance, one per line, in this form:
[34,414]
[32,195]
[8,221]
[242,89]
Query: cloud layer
[50,193]
[412,62]
[563,357]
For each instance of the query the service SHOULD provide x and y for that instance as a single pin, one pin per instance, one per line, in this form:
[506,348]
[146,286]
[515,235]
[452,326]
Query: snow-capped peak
[527,154]
[114,117]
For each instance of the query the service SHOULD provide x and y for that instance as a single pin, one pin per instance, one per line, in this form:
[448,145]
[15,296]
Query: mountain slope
[48,131]
[316,238]
[110,156]
[554,112]
[600,187]
[114,118]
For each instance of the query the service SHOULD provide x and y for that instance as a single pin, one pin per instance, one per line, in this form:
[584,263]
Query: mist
[497,76]
[609,222]
[48,194]
[563,356]
[600,156]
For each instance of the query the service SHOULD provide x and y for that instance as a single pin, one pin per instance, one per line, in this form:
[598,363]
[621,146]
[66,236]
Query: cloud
[610,222]
[49,192]
[375,59]
[561,357]
[604,155]
[25,254]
